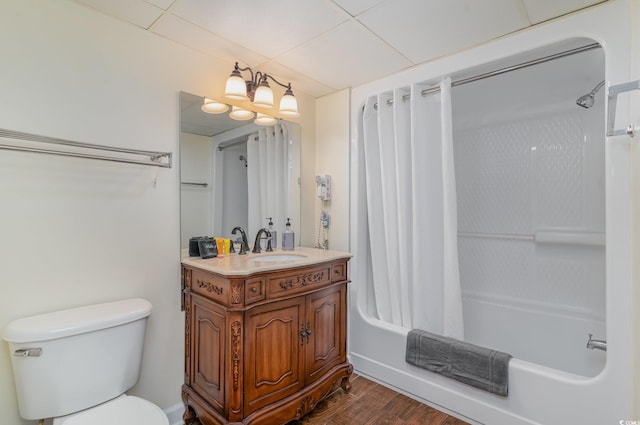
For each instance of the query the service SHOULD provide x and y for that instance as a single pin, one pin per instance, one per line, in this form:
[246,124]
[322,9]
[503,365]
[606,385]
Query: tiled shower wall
[532,173]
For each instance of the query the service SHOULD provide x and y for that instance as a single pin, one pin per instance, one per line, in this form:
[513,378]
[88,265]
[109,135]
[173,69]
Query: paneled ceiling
[322,46]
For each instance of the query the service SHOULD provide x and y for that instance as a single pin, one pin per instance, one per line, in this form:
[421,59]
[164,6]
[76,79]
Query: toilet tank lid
[63,323]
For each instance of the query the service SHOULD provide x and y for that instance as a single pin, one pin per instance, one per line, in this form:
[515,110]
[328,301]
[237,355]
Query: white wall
[78,231]
[332,157]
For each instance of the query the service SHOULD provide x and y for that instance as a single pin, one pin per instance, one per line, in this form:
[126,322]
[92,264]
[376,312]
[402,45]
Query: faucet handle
[269,248]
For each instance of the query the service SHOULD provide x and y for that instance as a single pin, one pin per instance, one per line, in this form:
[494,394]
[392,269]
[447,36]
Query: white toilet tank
[74,359]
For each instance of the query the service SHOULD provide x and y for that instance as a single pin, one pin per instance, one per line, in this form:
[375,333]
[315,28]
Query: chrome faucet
[245,243]
[256,246]
[596,344]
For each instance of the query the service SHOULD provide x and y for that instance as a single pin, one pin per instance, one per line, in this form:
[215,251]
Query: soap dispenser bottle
[274,234]
[288,237]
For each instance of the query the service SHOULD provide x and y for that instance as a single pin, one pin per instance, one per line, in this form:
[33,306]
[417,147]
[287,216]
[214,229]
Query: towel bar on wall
[153,158]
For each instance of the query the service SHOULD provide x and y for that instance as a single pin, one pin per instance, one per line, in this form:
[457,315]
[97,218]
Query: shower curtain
[268,175]
[411,209]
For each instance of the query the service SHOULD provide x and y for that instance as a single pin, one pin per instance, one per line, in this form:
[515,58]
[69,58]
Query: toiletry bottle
[288,236]
[274,234]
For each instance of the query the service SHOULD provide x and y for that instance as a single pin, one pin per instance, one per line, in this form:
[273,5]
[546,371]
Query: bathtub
[599,388]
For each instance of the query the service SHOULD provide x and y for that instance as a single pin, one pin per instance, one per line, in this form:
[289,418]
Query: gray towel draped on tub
[477,366]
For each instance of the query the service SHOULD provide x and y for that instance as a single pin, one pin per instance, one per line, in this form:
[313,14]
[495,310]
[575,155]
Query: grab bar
[550,236]
[614,91]
[194,184]
[483,235]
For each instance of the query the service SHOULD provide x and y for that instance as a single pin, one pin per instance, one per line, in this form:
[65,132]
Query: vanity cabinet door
[208,335]
[274,364]
[325,347]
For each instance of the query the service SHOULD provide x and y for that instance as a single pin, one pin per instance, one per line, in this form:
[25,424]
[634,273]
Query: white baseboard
[174,413]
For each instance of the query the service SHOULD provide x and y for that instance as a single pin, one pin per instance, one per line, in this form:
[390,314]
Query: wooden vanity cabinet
[264,348]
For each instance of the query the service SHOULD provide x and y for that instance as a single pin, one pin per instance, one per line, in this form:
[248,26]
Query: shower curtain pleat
[452,325]
[410,191]
[404,189]
[268,173]
[375,207]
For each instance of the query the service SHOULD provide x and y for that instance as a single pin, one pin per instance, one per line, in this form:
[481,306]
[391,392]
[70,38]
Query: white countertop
[236,264]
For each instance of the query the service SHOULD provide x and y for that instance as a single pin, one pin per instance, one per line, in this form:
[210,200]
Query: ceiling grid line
[323,46]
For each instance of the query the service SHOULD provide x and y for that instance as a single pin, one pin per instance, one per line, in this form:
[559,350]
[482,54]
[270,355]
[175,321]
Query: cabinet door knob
[303,333]
[254,289]
[308,333]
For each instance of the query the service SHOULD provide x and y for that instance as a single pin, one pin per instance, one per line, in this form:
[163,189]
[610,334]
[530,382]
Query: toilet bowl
[124,410]
[75,365]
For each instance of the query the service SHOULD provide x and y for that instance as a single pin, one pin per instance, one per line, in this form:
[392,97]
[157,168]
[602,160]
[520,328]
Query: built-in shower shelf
[547,236]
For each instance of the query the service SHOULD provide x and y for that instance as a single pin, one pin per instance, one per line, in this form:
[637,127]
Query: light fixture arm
[259,76]
[257,90]
[286,86]
[237,68]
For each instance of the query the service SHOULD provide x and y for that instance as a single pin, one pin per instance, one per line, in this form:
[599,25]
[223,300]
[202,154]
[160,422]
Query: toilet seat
[126,410]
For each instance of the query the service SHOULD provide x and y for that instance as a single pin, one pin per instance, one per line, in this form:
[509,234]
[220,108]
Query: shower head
[587,100]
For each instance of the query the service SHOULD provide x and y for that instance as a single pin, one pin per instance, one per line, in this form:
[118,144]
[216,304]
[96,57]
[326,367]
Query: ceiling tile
[425,29]
[356,7]
[269,27]
[190,35]
[137,12]
[299,82]
[164,4]
[346,56]
[543,10]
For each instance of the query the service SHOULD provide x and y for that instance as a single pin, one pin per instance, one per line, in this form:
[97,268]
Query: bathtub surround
[411,205]
[530,167]
[576,198]
[480,367]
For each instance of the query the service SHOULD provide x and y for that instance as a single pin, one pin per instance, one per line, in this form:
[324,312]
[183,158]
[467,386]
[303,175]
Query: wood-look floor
[369,403]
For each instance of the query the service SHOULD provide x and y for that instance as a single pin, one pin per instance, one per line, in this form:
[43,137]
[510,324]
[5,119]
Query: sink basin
[275,258]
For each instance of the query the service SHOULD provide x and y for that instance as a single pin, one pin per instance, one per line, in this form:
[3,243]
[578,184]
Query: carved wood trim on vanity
[303,280]
[235,332]
[210,287]
[237,290]
[264,380]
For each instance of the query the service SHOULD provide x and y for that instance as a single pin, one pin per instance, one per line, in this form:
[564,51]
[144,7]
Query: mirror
[236,173]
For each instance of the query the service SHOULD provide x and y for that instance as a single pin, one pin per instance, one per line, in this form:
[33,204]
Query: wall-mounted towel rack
[194,184]
[129,156]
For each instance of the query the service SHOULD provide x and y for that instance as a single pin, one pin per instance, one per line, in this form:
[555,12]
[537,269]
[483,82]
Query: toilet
[74,366]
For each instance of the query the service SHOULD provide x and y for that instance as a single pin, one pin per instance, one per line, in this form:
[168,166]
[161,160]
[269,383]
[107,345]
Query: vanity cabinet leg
[345,384]
[189,417]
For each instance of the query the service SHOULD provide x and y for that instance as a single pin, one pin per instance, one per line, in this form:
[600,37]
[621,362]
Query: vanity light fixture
[264,119]
[211,106]
[258,91]
[240,114]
